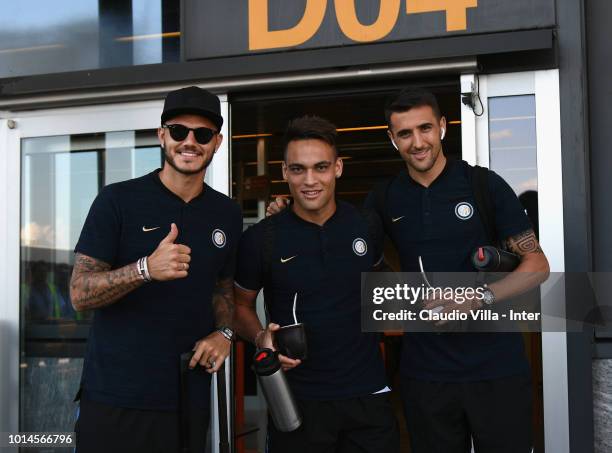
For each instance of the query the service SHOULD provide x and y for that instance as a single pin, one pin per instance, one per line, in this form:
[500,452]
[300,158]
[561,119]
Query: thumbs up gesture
[169,261]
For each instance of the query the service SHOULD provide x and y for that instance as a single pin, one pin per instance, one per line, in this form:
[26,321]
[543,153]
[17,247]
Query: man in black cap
[155,260]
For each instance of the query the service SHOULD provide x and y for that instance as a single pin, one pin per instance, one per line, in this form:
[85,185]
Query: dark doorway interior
[258,122]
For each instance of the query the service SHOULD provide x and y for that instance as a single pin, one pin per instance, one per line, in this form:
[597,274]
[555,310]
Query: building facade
[525,86]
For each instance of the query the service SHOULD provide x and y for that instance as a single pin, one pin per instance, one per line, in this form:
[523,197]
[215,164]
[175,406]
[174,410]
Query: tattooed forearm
[94,285]
[523,243]
[223,302]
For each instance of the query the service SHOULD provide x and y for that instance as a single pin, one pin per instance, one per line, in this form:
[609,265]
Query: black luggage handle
[184,404]
[224,446]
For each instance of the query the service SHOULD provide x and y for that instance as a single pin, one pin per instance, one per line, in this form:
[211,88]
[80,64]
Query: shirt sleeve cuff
[243,287]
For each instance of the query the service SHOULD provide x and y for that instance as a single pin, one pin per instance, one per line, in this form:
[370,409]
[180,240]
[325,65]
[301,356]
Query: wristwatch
[226,332]
[488,296]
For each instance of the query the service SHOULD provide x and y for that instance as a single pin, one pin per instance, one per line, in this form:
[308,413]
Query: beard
[170,160]
[424,167]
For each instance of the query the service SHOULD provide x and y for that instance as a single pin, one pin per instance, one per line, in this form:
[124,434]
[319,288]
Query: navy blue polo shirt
[134,346]
[441,224]
[325,272]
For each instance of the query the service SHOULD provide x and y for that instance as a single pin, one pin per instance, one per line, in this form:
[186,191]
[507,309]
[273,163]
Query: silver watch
[226,332]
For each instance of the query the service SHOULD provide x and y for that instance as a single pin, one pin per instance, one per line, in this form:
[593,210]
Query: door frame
[66,121]
[475,139]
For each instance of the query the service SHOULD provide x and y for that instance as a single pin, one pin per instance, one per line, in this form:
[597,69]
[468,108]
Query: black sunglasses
[178,132]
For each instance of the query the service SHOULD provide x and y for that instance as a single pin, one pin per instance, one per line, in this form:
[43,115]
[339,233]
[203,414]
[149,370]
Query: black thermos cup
[276,390]
[492,259]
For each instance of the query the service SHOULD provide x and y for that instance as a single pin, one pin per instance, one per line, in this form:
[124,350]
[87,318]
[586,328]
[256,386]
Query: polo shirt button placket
[426,212]
[182,220]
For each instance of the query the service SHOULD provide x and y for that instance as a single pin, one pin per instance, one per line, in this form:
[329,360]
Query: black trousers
[101,428]
[357,425]
[444,417]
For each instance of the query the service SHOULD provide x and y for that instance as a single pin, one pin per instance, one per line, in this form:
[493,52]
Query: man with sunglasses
[155,261]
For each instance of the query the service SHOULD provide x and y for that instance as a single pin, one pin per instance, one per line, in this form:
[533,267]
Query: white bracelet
[143,270]
[140,269]
[146,270]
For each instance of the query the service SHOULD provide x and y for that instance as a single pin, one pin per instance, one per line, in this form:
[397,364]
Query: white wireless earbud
[442,134]
[394,145]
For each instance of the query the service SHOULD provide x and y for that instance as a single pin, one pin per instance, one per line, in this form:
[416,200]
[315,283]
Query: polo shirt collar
[337,213]
[155,177]
[443,174]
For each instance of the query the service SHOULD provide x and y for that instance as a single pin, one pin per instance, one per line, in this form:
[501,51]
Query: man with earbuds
[456,387]
[155,263]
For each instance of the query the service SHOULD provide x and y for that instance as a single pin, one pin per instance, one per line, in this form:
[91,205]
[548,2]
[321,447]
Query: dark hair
[308,127]
[410,98]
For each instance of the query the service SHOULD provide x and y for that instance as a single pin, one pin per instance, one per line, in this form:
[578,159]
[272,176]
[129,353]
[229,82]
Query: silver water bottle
[276,390]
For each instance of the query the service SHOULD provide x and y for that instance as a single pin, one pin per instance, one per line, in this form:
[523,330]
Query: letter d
[260,37]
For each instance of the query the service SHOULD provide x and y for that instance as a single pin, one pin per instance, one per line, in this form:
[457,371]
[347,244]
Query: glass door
[57,162]
[514,129]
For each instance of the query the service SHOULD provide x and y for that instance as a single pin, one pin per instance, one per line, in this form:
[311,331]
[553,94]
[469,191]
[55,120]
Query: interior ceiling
[271,116]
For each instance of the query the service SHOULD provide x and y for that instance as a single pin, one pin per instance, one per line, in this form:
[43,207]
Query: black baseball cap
[193,100]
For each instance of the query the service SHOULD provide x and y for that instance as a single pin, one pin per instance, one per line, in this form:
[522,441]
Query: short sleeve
[510,216]
[249,268]
[101,232]
[229,267]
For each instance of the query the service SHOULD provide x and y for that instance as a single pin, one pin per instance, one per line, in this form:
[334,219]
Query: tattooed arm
[532,270]
[210,352]
[524,243]
[223,302]
[94,285]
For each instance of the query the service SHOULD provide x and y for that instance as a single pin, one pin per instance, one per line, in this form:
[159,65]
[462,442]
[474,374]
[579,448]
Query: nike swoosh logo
[284,260]
[145,229]
[395,219]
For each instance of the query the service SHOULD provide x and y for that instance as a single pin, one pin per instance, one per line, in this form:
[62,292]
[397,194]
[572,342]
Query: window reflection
[44,292]
[61,177]
[146,23]
[513,147]
[36,35]
[39,37]
[47,404]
